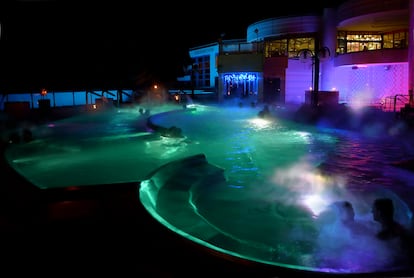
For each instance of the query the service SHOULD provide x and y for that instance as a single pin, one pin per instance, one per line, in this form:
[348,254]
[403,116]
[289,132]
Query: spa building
[358,53]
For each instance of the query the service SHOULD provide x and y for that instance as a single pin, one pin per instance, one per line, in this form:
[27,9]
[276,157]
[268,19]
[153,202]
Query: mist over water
[281,179]
[291,220]
[276,205]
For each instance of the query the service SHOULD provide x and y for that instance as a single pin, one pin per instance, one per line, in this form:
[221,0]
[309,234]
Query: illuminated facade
[368,58]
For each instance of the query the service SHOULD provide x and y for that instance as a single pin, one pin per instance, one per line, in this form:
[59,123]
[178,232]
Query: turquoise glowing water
[278,178]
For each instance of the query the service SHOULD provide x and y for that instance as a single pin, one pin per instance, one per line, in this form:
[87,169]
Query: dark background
[60,44]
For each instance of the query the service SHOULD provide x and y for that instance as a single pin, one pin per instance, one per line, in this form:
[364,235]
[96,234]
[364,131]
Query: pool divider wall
[165,131]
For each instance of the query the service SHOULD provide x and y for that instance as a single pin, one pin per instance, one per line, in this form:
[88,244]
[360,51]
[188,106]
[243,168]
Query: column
[411,53]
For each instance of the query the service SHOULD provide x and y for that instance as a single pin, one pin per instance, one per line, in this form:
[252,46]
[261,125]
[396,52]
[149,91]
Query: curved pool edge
[116,236]
[166,175]
[161,248]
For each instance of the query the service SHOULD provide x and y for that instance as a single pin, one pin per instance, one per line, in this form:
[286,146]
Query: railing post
[395,103]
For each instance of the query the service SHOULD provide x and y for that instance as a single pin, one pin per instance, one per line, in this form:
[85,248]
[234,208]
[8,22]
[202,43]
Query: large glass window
[275,48]
[201,71]
[396,40]
[341,42]
[364,41]
[297,44]
[388,40]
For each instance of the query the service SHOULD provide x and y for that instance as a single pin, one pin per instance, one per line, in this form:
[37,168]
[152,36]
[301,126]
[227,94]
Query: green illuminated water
[248,187]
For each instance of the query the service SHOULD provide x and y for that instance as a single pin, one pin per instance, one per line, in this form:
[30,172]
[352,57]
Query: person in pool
[346,212]
[390,230]
[346,215]
[383,213]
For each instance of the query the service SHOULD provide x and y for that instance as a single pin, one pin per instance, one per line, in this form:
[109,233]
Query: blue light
[238,77]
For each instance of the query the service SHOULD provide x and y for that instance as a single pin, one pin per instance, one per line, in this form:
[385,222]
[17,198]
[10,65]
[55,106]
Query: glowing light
[316,203]
[43,92]
[239,77]
[260,123]
[147,186]
[192,105]
[284,211]
[310,188]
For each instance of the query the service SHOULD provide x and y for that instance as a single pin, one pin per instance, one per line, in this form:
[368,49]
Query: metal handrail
[392,103]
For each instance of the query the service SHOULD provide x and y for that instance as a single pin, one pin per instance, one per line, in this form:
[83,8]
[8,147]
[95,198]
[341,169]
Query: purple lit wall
[369,84]
[298,80]
[358,85]
[411,47]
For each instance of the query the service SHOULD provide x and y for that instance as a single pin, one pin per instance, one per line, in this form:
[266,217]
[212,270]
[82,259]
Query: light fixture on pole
[317,55]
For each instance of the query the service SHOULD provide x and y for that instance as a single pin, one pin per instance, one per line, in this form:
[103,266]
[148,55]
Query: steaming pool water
[258,189]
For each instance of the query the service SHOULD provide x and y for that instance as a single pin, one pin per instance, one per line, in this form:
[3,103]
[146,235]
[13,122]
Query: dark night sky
[64,44]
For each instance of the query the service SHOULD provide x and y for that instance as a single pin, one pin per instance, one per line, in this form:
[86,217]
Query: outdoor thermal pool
[258,189]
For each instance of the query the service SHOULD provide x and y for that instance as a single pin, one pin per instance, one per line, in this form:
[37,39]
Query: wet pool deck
[103,230]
